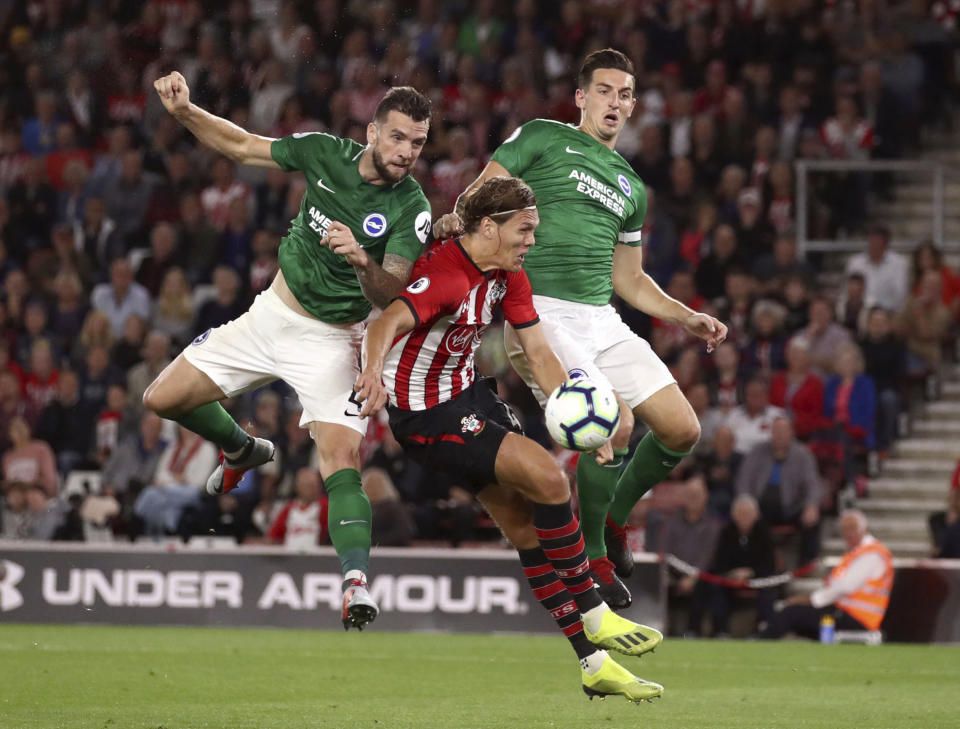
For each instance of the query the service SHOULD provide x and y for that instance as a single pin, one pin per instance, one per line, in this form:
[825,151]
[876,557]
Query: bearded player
[592,206]
[419,352]
[362,222]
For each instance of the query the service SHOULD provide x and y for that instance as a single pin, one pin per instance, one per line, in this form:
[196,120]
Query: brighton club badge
[471,424]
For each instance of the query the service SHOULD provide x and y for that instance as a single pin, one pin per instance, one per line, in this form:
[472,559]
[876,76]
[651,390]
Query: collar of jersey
[485,274]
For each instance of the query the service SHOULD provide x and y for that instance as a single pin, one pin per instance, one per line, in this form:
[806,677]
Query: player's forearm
[643,294]
[547,371]
[215,132]
[376,344]
[379,286]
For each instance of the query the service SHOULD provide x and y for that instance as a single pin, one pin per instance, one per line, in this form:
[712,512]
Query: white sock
[592,663]
[594,616]
[355,575]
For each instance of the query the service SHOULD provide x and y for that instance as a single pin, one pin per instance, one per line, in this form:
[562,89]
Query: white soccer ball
[582,415]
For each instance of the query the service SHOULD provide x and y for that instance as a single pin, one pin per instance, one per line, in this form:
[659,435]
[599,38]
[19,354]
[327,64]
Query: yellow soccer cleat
[624,636]
[614,680]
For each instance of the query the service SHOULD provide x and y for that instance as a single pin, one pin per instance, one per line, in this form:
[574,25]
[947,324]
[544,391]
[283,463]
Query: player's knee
[684,436]
[155,399]
[336,457]
[553,486]
[621,438]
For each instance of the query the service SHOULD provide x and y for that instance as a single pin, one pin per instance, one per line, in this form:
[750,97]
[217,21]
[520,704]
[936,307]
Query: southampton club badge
[471,424]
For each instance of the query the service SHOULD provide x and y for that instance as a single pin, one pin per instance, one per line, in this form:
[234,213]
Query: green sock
[216,425]
[651,463]
[349,519]
[596,485]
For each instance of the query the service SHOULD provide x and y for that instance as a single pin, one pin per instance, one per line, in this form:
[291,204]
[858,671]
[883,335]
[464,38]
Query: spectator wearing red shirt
[798,390]
[302,523]
[927,257]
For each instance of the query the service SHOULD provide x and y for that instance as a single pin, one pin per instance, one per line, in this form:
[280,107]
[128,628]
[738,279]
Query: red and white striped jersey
[452,302]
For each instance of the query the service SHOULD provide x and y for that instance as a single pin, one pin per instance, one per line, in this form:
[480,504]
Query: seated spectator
[12,404]
[173,311]
[726,384]
[114,417]
[751,422]
[849,399]
[712,270]
[29,513]
[126,352]
[67,424]
[856,593]
[40,383]
[884,271]
[886,360]
[798,390]
[35,330]
[133,463]
[660,234]
[264,266]
[824,335]
[199,240]
[669,338]
[924,322]
[690,534]
[96,235]
[927,257]
[764,350]
[710,418]
[754,234]
[945,525]
[392,523]
[29,462]
[773,271]
[96,332]
[181,476]
[69,310]
[782,476]
[226,306]
[162,257]
[733,308]
[121,297]
[745,550]
[156,356]
[719,467]
[852,306]
[796,297]
[302,523]
[223,190]
[128,197]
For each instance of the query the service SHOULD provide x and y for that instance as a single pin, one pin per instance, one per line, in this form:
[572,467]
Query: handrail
[937,171]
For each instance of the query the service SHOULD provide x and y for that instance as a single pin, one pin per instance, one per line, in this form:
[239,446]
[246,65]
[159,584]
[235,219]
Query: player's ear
[373,133]
[488,227]
[580,98]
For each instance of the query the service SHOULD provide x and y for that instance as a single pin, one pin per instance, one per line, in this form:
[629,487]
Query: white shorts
[320,361]
[593,341]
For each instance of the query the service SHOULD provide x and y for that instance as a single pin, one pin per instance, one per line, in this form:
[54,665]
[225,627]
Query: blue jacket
[862,405]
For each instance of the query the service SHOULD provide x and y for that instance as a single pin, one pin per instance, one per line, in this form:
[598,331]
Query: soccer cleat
[358,607]
[610,587]
[624,636]
[618,548]
[228,474]
[614,680]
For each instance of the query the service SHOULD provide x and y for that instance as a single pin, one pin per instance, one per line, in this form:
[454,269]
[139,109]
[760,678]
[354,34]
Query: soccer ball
[582,415]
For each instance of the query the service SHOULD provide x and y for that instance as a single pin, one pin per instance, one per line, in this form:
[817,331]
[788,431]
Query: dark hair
[857,276]
[604,58]
[880,230]
[405,99]
[493,198]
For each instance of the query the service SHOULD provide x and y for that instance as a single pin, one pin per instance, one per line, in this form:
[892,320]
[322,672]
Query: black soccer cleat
[618,548]
[610,587]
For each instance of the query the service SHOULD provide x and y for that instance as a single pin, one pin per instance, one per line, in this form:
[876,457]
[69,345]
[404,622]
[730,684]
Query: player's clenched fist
[173,92]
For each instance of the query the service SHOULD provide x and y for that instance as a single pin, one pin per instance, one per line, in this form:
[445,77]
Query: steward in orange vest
[855,594]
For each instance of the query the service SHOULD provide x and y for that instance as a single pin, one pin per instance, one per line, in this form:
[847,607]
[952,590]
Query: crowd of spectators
[122,239]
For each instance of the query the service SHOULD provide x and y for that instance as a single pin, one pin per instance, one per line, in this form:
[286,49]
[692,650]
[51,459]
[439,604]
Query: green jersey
[383,219]
[589,199]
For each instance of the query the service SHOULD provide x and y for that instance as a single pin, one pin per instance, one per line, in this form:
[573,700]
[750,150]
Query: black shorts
[460,437]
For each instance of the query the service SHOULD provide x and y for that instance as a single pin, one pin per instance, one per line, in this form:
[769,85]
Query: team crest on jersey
[472,424]
[375,225]
[201,339]
[419,286]
[498,290]
[624,185]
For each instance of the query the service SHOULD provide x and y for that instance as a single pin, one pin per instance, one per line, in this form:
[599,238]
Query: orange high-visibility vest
[868,603]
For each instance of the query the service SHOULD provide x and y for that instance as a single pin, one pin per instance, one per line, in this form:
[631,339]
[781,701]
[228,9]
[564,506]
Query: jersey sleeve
[630,233]
[435,290]
[292,152]
[522,148]
[517,305]
[412,231]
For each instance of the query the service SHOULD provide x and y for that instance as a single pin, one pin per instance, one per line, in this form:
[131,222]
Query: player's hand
[448,226]
[704,326]
[604,454]
[173,92]
[371,392]
[340,240]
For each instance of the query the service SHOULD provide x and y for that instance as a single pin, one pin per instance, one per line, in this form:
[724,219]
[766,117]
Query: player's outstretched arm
[396,320]
[635,286]
[212,131]
[545,366]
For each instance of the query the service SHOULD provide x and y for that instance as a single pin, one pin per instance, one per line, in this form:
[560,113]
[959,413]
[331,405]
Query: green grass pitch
[127,678]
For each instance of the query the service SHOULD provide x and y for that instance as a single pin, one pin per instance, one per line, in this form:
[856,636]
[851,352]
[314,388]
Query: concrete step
[898,524]
[907,548]
[937,428]
[934,448]
[906,504]
[941,410]
[928,489]
[914,469]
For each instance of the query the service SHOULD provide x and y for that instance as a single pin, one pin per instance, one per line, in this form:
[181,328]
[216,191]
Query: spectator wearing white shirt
[121,297]
[885,272]
[751,422]
[856,593]
[302,524]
